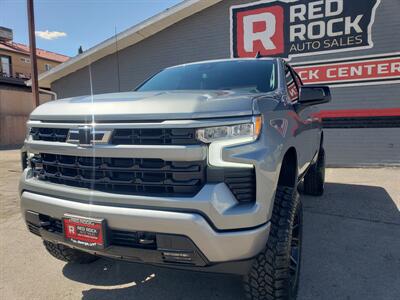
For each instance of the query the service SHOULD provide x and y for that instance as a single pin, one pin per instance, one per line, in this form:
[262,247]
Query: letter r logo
[258,30]
[71,229]
[251,34]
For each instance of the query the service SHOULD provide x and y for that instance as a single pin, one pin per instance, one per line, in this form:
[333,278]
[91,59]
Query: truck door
[304,122]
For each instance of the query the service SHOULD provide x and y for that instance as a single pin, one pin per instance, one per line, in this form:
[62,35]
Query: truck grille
[165,136]
[49,134]
[122,175]
[135,136]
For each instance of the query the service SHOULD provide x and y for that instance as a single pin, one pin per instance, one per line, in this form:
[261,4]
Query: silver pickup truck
[197,168]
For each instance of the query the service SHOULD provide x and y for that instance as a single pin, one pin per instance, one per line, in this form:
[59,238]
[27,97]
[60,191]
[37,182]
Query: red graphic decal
[280,125]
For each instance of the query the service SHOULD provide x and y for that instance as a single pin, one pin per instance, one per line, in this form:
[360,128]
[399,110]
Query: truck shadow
[364,202]
[123,280]
[335,226]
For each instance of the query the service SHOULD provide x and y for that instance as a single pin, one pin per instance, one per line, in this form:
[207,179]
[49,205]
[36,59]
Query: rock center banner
[364,70]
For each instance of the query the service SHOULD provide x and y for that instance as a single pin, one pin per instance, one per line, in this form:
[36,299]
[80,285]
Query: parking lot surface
[351,250]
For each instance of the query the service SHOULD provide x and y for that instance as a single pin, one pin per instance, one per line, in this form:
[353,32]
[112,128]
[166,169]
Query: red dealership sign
[289,28]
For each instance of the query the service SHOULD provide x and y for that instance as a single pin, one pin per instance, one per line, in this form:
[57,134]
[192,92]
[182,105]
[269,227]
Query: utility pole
[32,47]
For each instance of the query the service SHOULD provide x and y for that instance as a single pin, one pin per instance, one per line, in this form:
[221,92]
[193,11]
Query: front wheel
[68,254]
[275,272]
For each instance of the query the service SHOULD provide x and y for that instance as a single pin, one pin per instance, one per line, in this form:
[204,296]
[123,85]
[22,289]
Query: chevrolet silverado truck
[197,168]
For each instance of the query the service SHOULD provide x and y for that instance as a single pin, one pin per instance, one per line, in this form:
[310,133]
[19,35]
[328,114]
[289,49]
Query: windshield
[248,75]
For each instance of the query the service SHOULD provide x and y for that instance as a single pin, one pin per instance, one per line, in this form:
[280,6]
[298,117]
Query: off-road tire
[270,276]
[314,180]
[68,254]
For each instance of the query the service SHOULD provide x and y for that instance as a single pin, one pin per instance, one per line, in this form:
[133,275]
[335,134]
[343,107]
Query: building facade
[353,46]
[16,102]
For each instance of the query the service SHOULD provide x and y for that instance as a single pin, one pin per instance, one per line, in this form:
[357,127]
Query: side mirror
[314,94]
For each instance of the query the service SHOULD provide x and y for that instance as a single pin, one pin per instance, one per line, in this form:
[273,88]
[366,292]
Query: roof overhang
[125,39]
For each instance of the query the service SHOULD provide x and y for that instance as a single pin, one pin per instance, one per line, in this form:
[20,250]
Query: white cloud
[50,35]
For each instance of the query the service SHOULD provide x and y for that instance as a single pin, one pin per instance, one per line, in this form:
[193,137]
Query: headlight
[250,130]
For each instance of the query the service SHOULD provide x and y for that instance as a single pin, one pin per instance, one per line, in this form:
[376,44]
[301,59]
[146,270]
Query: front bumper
[213,245]
[214,202]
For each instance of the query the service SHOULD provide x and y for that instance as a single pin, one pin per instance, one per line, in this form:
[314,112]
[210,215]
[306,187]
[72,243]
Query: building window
[5,66]
[25,60]
[47,67]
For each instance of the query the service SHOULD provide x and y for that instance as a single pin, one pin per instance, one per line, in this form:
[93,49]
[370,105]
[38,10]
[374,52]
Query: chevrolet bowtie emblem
[88,136]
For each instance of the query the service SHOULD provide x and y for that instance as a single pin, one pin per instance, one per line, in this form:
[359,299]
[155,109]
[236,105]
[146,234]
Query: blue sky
[85,22]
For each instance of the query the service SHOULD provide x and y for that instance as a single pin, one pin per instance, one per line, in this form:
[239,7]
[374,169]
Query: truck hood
[148,106]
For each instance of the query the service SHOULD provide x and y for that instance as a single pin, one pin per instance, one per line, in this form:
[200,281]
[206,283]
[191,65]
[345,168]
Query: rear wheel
[275,271]
[68,254]
[314,180]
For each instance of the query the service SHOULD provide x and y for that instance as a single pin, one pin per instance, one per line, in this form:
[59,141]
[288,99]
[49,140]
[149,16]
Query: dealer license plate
[86,232]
